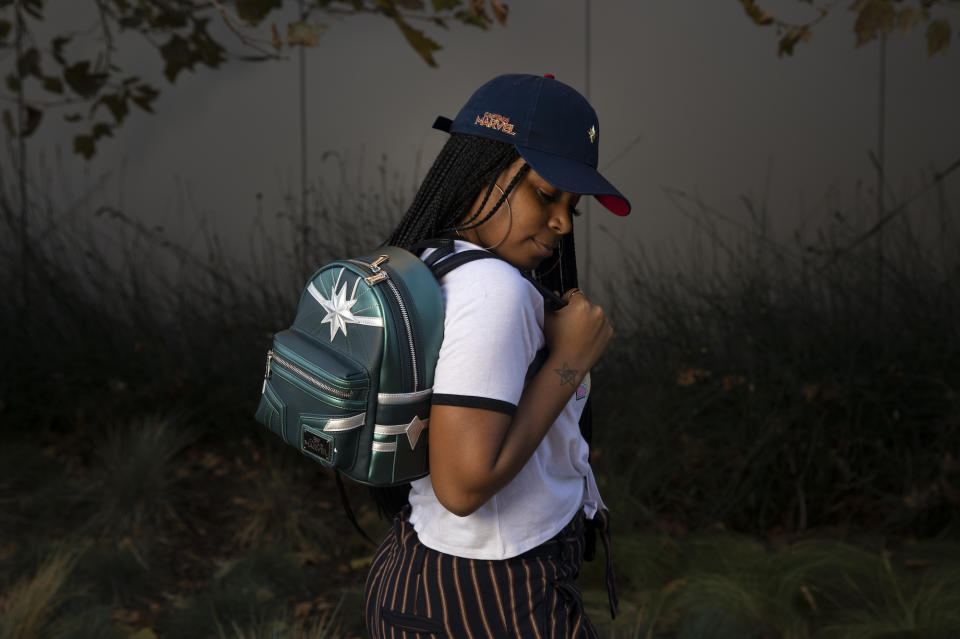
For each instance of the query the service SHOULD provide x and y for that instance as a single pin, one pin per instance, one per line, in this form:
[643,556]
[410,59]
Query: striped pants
[414,591]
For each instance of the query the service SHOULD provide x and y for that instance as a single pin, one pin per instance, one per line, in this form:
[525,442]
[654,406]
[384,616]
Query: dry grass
[30,605]
[780,390]
[132,485]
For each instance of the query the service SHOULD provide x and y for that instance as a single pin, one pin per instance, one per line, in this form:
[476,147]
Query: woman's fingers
[570,293]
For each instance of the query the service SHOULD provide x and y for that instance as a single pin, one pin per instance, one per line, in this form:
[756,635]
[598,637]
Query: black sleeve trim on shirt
[469,401]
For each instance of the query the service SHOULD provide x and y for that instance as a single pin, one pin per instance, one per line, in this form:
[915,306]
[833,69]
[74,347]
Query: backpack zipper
[302,374]
[406,322]
[379,275]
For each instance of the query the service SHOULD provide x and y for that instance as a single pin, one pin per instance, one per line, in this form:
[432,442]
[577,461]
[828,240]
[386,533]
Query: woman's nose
[560,220]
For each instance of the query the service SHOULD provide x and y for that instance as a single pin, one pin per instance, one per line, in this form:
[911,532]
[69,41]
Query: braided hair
[466,165]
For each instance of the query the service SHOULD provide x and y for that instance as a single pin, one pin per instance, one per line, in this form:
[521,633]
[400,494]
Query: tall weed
[30,605]
[132,484]
[774,386]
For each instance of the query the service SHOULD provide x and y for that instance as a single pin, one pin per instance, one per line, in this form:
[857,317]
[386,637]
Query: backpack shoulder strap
[345,502]
[459,259]
[444,246]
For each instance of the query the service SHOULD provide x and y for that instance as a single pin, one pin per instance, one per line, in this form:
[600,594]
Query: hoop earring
[509,224]
[556,263]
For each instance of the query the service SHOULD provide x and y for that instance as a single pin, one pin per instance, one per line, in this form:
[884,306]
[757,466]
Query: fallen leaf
[691,376]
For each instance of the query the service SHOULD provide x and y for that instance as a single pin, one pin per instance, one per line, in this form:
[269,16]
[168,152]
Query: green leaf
[52,84]
[144,97]
[468,17]
[117,105]
[875,17]
[84,145]
[34,8]
[73,117]
[790,39]
[34,115]
[170,18]
[445,5]
[29,64]
[5,28]
[57,45]
[132,20]
[411,5]
[301,33]
[101,129]
[938,36]
[13,82]
[909,17]
[756,14]
[177,56]
[420,43]
[253,11]
[205,49]
[79,78]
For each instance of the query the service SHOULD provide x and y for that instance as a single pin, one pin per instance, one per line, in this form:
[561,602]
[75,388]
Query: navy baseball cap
[551,125]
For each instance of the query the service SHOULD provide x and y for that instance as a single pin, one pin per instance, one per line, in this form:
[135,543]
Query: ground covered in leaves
[148,529]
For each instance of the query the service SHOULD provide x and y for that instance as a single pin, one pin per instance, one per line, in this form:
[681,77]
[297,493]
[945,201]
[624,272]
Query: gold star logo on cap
[593,134]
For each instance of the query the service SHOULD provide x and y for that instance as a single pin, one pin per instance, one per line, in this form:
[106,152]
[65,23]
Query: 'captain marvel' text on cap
[551,125]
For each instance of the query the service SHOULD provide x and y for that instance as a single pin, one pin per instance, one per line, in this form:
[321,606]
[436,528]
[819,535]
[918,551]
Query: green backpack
[350,383]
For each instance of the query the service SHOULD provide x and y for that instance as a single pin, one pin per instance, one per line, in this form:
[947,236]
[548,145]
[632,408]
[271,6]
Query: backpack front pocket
[318,412]
[271,412]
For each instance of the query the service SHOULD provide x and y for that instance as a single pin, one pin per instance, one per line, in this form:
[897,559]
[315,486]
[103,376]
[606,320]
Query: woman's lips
[547,251]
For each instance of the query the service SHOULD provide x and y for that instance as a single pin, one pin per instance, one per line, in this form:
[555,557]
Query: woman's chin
[533,264]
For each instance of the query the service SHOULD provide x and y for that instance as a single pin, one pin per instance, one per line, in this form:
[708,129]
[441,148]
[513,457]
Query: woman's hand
[579,332]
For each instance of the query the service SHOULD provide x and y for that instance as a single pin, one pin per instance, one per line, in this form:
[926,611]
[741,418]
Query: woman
[490,542]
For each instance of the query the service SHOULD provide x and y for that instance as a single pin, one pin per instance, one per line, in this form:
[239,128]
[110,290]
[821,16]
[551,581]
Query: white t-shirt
[493,328]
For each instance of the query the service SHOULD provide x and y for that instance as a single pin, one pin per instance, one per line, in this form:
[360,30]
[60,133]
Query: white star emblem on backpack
[338,308]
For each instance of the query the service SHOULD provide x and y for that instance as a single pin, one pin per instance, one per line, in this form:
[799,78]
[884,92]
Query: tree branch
[897,210]
[233,23]
[107,36]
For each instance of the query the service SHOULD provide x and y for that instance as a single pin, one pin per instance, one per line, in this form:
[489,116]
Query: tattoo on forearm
[568,376]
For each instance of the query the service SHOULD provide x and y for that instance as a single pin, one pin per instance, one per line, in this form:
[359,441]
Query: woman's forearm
[540,404]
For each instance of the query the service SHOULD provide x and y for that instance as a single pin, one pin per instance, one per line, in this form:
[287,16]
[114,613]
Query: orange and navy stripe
[414,591]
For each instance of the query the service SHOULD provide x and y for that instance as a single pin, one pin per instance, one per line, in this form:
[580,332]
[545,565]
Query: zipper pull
[378,274]
[267,372]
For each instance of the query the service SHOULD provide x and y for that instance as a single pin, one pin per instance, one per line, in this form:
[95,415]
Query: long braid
[465,165]
[483,203]
[503,198]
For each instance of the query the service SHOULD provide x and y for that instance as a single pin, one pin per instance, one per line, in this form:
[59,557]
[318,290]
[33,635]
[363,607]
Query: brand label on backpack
[317,445]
